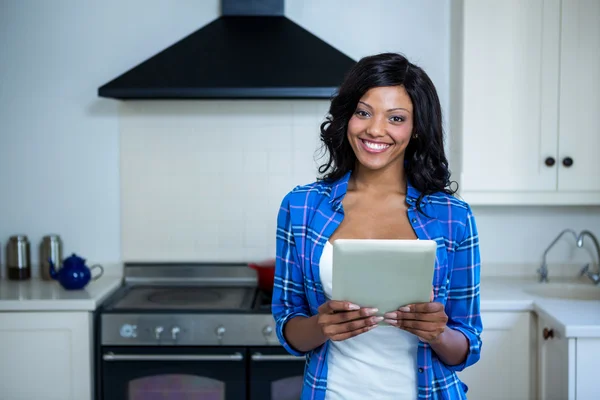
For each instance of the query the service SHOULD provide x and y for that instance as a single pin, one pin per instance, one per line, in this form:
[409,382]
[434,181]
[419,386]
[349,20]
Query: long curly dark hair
[426,165]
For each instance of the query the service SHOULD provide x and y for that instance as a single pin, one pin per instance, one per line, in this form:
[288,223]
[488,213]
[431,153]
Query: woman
[386,178]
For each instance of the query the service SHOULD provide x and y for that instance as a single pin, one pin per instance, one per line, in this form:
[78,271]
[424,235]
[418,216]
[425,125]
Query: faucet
[594,277]
[543,270]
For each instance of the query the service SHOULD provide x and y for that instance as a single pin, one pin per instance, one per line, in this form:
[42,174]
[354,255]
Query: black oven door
[275,374]
[149,373]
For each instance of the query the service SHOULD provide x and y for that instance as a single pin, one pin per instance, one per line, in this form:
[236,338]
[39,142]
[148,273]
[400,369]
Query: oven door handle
[275,357]
[172,357]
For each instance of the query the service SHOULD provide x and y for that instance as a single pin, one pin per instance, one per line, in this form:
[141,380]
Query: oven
[183,332]
[274,374]
[181,373]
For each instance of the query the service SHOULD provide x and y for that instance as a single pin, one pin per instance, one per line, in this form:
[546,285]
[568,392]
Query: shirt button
[414,220]
[420,370]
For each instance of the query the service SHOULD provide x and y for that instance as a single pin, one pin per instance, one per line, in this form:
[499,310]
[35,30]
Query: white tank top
[380,364]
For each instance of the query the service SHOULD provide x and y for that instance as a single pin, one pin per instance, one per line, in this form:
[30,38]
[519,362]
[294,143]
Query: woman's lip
[372,150]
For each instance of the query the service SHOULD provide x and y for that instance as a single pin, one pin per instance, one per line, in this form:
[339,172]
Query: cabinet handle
[567,161]
[548,333]
[550,161]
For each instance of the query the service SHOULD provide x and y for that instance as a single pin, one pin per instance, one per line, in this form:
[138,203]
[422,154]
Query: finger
[423,308]
[346,316]
[408,316]
[418,325]
[337,329]
[355,332]
[331,306]
[336,305]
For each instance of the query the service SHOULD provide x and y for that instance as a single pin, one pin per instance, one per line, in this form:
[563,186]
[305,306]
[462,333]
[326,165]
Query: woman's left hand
[425,320]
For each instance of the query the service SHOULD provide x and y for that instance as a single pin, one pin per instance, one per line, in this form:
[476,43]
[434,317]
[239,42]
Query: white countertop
[573,318]
[40,295]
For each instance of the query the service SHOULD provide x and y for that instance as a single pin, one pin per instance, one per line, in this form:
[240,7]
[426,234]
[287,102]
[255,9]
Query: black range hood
[251,52]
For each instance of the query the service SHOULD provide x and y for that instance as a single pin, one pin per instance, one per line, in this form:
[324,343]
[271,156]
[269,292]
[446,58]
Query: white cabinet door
[587,384]
[510,59]
[45,355]
[580,96]
[556,360]
[506,369]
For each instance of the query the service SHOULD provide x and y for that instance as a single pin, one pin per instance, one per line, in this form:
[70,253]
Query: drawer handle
[275,357]
[548,333]
[172,357]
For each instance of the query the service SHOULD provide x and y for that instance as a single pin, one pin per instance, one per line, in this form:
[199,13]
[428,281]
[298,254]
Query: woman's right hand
[340,320]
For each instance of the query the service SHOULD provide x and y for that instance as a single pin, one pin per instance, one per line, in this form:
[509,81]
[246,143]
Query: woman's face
[381,127]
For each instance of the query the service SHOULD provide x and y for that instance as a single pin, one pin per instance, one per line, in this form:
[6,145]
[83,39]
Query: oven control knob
[158,331]
[128,331]
[174,332]
[220,331]
[267,330]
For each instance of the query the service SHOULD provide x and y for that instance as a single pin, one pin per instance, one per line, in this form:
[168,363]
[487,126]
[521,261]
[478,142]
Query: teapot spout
[52,269]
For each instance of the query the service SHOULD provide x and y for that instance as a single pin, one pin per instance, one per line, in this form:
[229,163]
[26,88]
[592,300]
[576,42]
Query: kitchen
[126,181]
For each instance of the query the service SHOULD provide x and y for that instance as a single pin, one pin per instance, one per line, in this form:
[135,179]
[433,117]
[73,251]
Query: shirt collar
[339,188]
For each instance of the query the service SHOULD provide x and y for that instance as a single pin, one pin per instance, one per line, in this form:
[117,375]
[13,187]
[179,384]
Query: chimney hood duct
[252,51]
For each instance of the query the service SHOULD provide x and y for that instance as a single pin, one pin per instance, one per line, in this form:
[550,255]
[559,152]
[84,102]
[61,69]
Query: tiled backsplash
[203,180]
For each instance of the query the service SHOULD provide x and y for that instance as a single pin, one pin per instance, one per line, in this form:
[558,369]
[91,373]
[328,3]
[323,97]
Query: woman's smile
[374,147]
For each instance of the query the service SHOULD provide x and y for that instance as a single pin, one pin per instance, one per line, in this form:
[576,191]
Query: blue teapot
[74,274]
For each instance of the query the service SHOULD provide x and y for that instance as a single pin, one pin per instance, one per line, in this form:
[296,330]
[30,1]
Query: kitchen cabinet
[507,368]
[524,89]
[568,367]
[46,355]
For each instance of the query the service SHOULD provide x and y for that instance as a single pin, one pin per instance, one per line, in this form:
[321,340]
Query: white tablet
[385,274]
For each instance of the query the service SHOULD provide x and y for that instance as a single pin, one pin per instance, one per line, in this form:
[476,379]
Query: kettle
[74,274]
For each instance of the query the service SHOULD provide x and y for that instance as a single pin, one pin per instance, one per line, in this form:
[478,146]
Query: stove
[190,304]
[191,331]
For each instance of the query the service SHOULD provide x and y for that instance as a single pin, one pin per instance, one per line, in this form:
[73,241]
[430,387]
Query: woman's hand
[425,320]
[340,320]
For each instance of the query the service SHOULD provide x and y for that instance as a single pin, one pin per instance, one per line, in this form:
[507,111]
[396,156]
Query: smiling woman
[386,177]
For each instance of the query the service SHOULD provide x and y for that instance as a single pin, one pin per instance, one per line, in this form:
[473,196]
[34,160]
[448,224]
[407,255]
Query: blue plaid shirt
[310,214]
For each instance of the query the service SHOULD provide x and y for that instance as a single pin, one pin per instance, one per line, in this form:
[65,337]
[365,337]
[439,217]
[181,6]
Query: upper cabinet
[525,89]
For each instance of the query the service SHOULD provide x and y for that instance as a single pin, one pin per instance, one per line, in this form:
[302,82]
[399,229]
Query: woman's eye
[362,114]
[397,119]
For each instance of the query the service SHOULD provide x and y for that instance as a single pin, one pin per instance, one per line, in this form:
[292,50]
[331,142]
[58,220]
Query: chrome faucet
[594,277]
[543,270]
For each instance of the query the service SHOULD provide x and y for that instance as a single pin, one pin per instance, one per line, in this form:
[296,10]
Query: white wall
[59,143]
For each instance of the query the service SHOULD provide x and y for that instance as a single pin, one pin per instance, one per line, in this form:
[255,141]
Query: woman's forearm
[451,347]
[303,334]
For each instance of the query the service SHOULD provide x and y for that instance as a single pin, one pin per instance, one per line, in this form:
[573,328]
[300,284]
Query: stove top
[186,298]
[189,305]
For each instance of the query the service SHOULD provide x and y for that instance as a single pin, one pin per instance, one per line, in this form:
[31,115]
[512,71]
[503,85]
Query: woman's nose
[376,128]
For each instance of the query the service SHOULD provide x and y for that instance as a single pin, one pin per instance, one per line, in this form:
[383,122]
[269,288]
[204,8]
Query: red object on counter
[266,274]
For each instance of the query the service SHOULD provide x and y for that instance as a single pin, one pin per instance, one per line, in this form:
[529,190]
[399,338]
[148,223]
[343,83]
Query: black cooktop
[187,299]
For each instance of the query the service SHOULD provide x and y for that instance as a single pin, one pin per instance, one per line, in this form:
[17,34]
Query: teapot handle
[101,271]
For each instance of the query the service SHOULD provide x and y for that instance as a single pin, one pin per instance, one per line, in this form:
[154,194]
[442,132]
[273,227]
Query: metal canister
[50,249]
[18,258]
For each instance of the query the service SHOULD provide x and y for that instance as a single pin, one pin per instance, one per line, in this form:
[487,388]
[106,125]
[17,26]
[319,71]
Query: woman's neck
[388,179]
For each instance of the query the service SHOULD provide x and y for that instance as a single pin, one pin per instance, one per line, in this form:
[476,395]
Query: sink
[567,291]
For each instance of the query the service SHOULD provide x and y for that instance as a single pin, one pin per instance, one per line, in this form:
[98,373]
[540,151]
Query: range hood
[252,51]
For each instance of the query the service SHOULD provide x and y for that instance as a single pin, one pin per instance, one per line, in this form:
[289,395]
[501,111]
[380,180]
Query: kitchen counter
[40,295]
[572,317]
